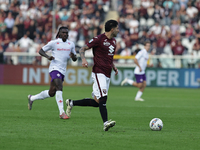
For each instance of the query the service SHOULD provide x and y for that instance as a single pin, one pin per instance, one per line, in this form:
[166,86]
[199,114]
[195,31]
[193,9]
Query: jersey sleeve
[93,42]
[48,46]
[73,50]
[139,55]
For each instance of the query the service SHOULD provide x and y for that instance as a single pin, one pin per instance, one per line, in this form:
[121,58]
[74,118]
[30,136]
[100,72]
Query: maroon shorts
[140,78]
[56,74]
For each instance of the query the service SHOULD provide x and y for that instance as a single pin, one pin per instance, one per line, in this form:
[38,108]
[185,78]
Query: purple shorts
[140,78]
[56,74]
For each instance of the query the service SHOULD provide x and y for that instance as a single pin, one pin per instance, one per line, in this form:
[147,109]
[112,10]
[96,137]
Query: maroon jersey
[103,51]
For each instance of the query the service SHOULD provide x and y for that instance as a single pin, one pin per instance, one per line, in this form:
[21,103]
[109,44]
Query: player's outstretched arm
[82,55]
[42,53]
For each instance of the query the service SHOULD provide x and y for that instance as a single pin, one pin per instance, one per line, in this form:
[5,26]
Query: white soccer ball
[156,124]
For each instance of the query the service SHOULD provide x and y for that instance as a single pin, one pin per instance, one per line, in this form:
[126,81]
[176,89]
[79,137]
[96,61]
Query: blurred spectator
[133,24]
[23,8]
[145,3]
[142,12]
[182,15]
[176,7]
[126,52]
[4,5]
[73,34]
[150,11]
[65,16]
[25,42]
[160,44]
[183,3]
[156,29]
[9,21]
[14,35]
[167,15]
[5,42]
[118,48]
[192,12]
[178,48]
[31,30]
[134,38]
[189,33]
[20,27]
[27,23]
[174,27]
[158,13]
[2,25]
[144,37]
[196,46]
[126,38]
[168,3]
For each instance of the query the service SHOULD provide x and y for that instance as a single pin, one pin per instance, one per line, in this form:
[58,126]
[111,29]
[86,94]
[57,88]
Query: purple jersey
[103,51]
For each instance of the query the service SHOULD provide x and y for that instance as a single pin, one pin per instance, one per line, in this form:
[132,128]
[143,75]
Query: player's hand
[72,55]
[116,70]
[140,69]
[84,63]
[50,58]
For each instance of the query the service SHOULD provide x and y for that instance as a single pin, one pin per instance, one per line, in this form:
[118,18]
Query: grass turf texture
[41,128]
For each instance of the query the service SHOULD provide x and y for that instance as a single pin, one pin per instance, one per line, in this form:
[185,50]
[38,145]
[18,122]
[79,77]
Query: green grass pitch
[41,128]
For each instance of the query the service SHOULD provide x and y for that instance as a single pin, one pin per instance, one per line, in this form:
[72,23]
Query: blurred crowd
[26,25]
[172,26]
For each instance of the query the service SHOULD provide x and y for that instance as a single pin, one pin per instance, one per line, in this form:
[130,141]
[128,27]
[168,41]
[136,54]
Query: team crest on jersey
[104,91]
[58,75]
[57,42]
[106,43]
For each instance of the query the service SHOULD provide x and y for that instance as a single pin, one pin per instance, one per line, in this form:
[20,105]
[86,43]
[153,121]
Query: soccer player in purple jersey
[140,60]
[103,47]
[62,49]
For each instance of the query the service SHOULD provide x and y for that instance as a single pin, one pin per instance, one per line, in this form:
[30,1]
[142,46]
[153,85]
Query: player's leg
[82,102]
[142,84]
[59,98]
[56,89]
[100,90]
[40,96]
[130,82]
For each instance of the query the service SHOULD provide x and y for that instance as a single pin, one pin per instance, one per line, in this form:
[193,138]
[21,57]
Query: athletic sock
[59,100]
[129,81]
[85,102]
[42,95]
[138,95]
[103,109]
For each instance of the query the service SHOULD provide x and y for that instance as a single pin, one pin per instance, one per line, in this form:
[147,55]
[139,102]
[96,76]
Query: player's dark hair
[58,34]
[110,24]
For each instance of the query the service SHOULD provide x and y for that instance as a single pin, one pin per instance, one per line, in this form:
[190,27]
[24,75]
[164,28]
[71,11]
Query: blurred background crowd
[172,26]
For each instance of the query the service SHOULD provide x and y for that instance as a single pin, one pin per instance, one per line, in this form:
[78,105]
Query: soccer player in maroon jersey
[103,46]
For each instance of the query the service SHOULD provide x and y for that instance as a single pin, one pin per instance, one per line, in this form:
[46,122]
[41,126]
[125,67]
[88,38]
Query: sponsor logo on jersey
[63,49]
[106,43]
[111,50]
